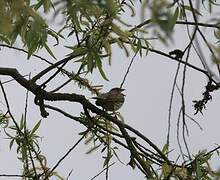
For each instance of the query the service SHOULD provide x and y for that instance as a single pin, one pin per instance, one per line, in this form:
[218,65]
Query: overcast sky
[148,88]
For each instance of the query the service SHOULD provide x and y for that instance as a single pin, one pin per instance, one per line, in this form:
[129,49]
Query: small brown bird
[112,100]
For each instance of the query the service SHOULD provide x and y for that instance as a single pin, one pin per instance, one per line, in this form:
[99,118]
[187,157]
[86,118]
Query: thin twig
[102,171]
[9,111]
[54,75]
[5,82]
[53,66]
[184,76]
[193,120]
[183,105]
[62,85]
[128,69]
[108,153]
[22,50]
[25,134]
[65,155]
[13,175]
[171,102]
[150,157]
[178,136]
[215,149]
[69,174]
[210,49]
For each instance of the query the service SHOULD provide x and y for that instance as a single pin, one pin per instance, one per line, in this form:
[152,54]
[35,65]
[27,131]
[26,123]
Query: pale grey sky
[148,89]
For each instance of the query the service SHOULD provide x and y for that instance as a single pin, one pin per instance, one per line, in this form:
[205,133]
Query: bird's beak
[122,90]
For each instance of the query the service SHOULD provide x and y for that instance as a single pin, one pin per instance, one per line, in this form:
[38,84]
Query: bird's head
[116,90]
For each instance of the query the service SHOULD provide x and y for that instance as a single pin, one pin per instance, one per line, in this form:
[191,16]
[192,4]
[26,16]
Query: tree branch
[41,93]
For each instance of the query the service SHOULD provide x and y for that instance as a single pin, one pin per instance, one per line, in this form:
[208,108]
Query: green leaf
[186,7]
[108,158]
[22,122]
[77,51]
[83,133]
[49,51]
[174,18]
[139,47]
[13,127]
[47,4]
[116,155]
[120,117]
[165,149]
[217,151]
[122,46]
[55,35]
[108,50]
[4,39]
[89,62]
[104,149]
[31,49]
[38,5]
[217,34]
[10,136]
[121,33]
[24,152]
[89,139]
[93,149]
[147,47]
[11,143]
[35,128]
[198,170]
[99,64]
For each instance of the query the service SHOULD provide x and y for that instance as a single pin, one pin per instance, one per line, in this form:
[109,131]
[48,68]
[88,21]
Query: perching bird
[177,53]
[112,100]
